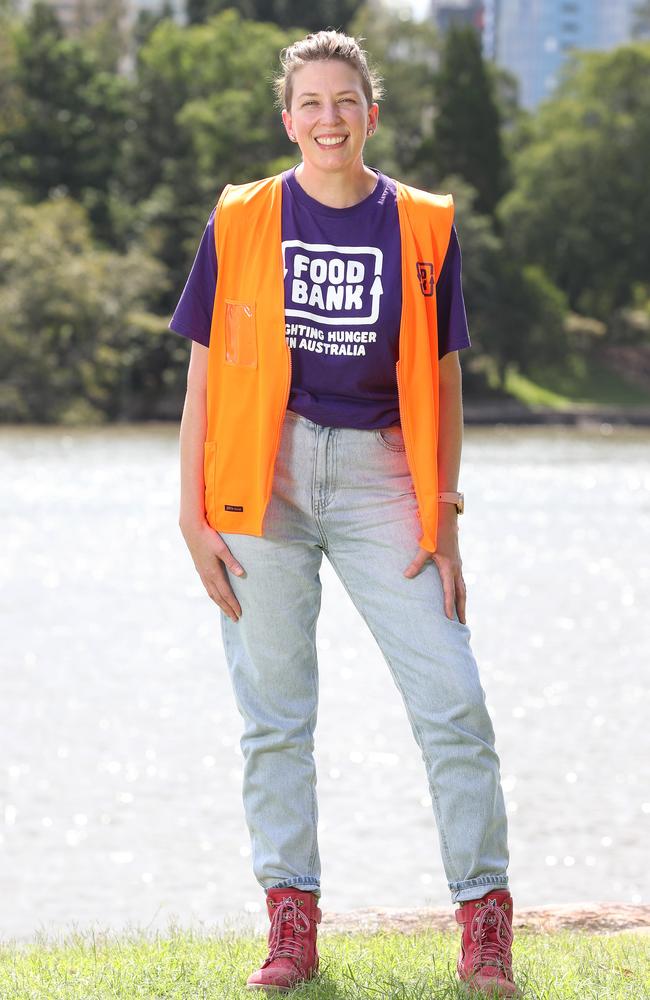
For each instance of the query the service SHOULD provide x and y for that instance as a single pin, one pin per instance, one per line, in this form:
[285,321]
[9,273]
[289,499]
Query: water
[120,766]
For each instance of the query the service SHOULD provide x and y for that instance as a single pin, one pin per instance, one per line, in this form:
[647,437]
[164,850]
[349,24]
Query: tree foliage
[467,131]
[516,315]
[108,180]
[580,207]
[76,339]
[286,13]
[64,123]
[203,116]
[406,53]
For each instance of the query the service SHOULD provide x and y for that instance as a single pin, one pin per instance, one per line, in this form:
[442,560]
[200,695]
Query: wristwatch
[456,498]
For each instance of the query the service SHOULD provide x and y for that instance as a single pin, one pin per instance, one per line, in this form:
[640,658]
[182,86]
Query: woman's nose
[330,113]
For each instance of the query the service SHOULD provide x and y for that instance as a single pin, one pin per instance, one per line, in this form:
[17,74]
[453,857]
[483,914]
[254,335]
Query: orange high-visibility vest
[249,360]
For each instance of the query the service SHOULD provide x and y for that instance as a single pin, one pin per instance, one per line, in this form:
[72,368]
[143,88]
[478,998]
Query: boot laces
[492,932]
[287,919]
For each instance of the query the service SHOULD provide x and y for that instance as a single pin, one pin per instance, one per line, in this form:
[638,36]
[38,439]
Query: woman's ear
[286,118]
[373,116]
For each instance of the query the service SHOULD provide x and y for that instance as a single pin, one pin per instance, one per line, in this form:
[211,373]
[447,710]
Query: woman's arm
[450,438]
[207,548]
[192,439]
[450,441]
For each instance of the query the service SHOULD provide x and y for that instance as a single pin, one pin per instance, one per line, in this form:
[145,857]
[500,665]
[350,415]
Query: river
[120,774]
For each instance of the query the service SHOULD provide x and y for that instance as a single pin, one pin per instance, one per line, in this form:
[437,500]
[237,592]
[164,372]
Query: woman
[322,441]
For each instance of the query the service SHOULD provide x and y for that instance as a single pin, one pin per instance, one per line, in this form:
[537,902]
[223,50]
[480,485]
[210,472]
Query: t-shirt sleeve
[193,315]
[453,333]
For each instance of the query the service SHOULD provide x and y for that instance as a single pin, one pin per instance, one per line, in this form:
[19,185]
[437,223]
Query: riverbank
[607,387]
[489,412]
[596,918]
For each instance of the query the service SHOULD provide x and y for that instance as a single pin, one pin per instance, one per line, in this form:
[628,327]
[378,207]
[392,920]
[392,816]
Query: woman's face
[329,114]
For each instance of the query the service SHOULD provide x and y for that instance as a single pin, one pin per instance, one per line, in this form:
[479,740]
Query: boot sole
[494,990]
[268,988]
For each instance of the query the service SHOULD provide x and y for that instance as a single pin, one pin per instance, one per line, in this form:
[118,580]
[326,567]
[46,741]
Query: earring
[370,131]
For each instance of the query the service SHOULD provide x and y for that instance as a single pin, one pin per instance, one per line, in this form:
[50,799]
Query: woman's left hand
[447,559]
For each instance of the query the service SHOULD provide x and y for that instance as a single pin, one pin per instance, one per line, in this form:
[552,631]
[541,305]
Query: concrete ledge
[602,918]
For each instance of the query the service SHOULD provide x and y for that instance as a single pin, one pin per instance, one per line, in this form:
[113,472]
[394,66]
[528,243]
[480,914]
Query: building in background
[491,9]
[532,38]
[446,13]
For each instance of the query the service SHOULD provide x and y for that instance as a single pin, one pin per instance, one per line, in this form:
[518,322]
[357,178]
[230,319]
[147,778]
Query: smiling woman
[324,416]
[329,104]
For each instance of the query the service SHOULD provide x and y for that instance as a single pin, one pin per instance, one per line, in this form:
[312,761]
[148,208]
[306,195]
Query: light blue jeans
[349,493]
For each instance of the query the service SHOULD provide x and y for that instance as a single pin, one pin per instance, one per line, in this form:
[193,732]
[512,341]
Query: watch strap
[455,498]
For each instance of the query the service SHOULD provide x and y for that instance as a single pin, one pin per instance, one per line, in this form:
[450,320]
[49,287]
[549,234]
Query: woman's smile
[330,141]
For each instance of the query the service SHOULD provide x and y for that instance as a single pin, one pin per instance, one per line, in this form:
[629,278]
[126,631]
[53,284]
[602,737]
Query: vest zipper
[404,432]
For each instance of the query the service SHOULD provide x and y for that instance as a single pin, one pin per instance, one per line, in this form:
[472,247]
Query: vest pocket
[241,334]
[209,469]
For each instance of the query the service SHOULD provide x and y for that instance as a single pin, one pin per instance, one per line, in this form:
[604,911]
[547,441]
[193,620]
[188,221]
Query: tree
[78,342]
[72,117]
[286,13]
[515,314]
[10,93]
[580,206]
[104,27]
[466,138]
[146,20]
[405,52]
[204,116]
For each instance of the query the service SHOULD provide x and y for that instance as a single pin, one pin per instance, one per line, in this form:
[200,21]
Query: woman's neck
[336,190]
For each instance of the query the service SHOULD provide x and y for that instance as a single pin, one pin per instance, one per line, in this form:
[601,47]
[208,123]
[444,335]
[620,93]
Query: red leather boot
[293,955]
[485,959]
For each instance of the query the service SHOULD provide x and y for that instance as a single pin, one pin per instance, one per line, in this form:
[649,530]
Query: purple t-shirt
[343,301]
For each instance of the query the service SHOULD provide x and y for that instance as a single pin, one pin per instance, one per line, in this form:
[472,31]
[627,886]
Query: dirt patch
[601,918]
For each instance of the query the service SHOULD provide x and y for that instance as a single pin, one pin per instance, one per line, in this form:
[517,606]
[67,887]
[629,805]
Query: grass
[587,381]
[194,965]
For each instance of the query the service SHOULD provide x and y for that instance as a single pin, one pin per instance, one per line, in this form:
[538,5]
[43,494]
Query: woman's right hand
[211,555]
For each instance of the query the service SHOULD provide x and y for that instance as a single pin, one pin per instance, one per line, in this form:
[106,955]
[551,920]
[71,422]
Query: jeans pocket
[391,437]
[241,334]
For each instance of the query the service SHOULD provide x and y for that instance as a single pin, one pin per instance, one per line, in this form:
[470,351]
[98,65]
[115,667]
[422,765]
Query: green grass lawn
[588,383]
[188,965]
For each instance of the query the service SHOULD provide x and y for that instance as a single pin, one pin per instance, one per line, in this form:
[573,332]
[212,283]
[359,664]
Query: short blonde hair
[319,46]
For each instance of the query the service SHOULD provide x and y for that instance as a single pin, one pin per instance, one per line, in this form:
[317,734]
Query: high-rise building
[490,21]
[447,13]
[532,38]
